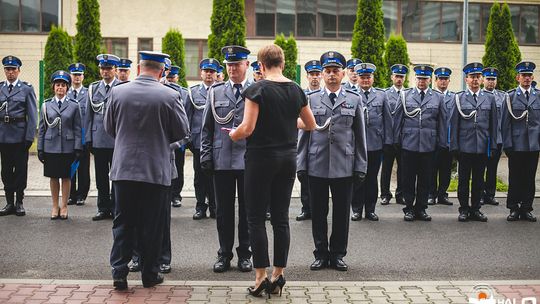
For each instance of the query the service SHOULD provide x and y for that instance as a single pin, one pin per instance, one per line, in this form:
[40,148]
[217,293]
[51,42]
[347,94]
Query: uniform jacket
[500,98]
[64,137]
[185,100]
[378,119]
[82,100]
[449,103]
[468,136]
[144,130]
[216,145]
[426,131]
[21,102]
[94,130]
[195,116]
[341,149]
[347,85]
[393,98]
[521,135]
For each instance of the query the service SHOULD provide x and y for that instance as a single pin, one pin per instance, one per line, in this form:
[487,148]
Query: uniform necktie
[59,103]
[332,98]
[474,97]
[367,95]
[354,88]
[422,95]
[107,88]
[75,94]
[237,86]
[10,87]
[527,95]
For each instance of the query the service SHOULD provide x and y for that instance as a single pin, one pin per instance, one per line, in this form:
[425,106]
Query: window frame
[201,55]
[108,41]
[40,32]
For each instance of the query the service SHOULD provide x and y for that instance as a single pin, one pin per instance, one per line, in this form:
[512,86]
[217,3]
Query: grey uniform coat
[195,113]
[94,130]
[21,102]
[449,103]
[64,137]
[82,99]
[392,97]
[216,145]
[521,135]
[378,119]
[500,98]
[144,117]
[185,100]
[341,149]
[425,131]
[347,85]
[474,136]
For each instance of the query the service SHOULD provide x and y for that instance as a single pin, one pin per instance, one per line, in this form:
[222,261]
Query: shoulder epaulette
[184,89]
[511,91]
[120,83]
[73,100]
[27,83]
[171,86]
[215,85]
[95,83]
[459,92]
[407,89]
[193,86]
[379,89]
[352,92]
[48,99]
[536,90]
[313,92]
[486,91]
[436,90]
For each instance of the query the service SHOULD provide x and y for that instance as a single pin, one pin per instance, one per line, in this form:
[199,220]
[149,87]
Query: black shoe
[444,201]
[431,201]
[244,265]
[134,267]
[481,201]
[303,216]
[527,216]
[199,215]
[100,215]
[212,214]
[120,284]
[478,216]
[409,216]
[319,264]
[276,286]
[385,201]
[338,264]
[400,201]
[222,264]
[80,202]
[158,279]
[71,202]
[463,216]
[423,216]
[261,289]
[491,201]
[164,268]
[268,216]
[356,216]
[372,216]
[176,203]
[7,210]
[19,209]
[513,216]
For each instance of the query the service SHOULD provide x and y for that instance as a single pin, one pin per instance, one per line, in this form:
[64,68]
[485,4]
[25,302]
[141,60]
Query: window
[196,50]
[28,16]
[145,44]
[306,18]
[390,11]
[116,46]
[285,15]
[347,17]
[528,31]
[265,16]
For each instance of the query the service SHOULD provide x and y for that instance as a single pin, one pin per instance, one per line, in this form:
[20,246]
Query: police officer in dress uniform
[124,69]
[313,74]
[378,120]
[352,83]
[204,187]
[79,93]
[442,169]
[224,158]
[490,183]
[18,121]
[220,76]
[137,178]
[419,129]
[390,153]
[333,156]
[473,134]
[98,142]
[257,74]
[521,142]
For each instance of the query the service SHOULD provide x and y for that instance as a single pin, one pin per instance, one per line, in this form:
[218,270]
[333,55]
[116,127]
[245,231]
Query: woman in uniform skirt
[59,141]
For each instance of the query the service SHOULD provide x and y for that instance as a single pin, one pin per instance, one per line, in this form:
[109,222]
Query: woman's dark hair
[271,56]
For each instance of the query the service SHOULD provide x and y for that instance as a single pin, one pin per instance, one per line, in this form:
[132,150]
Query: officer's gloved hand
[41,156]
[28,144]
[302,175]
[89,147]
[78,154]
[359,177]
[208,167]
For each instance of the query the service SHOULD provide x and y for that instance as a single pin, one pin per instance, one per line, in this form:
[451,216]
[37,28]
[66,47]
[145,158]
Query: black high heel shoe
[263,287]
[277,285]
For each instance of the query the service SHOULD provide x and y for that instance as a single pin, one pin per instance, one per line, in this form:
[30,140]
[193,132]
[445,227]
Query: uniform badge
[330,54]
[105,57]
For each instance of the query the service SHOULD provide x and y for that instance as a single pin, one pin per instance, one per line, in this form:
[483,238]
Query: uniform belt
[8,119]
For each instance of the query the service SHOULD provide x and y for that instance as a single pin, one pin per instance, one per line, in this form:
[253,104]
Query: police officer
[17,130]
[97,140]
[442,169]
[137,183]
[220,76]
[390,153]
[474,136]
[333,156]
[490,183]
[124,69]
[419,128]
[378,119]
[520,132]
[224,158]
[257,75]
[204,188]
[79,93]
[352,83]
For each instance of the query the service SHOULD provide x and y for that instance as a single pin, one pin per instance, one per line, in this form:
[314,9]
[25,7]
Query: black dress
[58,165]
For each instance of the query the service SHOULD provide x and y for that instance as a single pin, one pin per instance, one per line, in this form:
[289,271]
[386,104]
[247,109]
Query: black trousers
[14,162]
[386,172]
[521,180]
[470,165]
[342,191]
[178,183]
[140,209]
[269,181]
[226,184]
[102,166]
[416,178]
[365,195]
[490,182]
[203,185]
[442,171]
[304,195]
[79,191]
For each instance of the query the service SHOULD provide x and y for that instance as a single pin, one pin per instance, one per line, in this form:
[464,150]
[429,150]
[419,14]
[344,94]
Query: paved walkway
[57,291]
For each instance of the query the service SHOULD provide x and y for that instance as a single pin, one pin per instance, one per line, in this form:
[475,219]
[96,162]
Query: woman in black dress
[272,108]
[59,140]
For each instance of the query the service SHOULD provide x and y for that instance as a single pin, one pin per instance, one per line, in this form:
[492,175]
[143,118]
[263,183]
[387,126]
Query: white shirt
[336,92]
